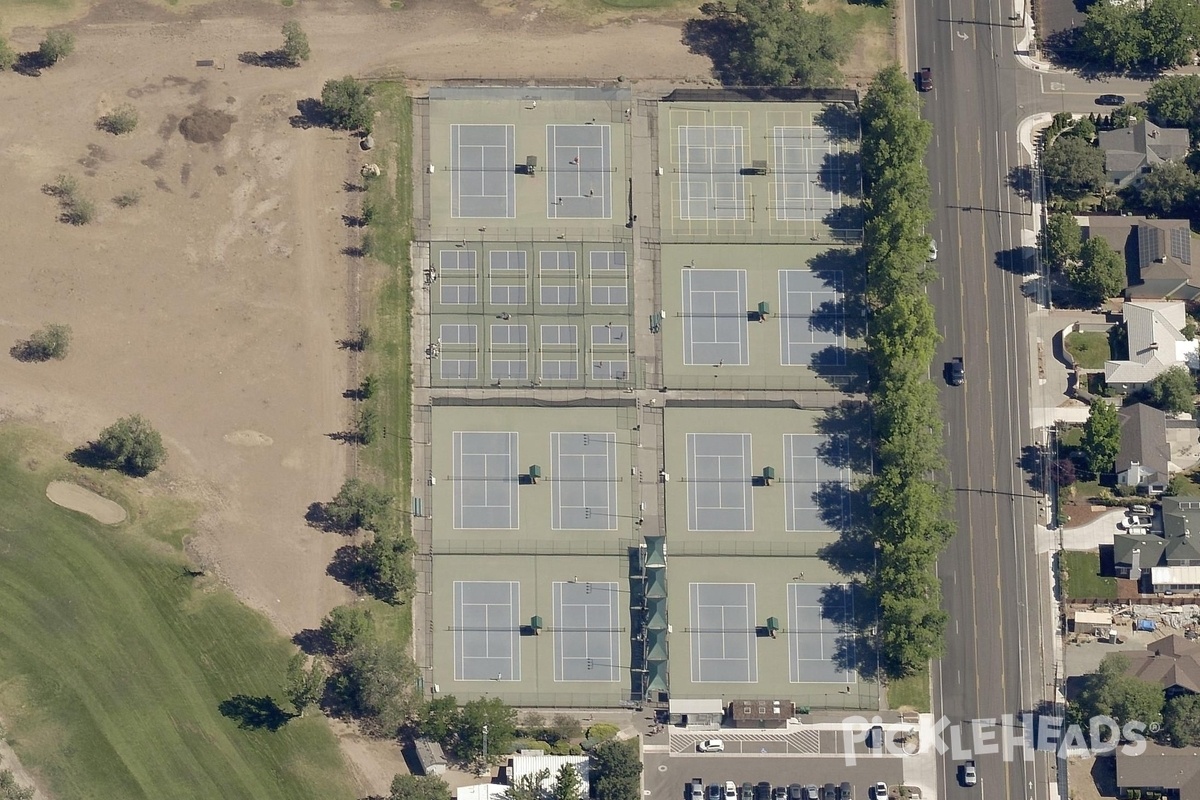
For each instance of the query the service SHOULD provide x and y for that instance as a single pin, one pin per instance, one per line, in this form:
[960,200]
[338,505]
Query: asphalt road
[666,776]
[993,664]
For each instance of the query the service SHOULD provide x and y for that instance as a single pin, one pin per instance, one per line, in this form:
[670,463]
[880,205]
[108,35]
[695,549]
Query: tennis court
[814,640]
[719,482]
[715,317]
[802,156]
[808,477]
[483,164]
[810,313]
[487,631]
[587,631]
[581,171]
[723,633]
[584,482]
[485,480]
[710,161]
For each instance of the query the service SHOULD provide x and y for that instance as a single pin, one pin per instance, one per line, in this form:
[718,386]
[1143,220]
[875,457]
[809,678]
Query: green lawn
[911,692]
[113,661]
[1083,576]
[389,356]
[1090,349]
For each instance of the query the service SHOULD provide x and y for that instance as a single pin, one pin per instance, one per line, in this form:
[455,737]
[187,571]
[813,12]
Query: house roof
[1144,439]
[1143,144]
[1161,767]
[1155,341]
[1170,661]
[521,765]
[1151,547]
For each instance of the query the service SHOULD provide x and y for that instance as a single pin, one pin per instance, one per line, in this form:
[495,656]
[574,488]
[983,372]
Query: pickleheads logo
[1012,736]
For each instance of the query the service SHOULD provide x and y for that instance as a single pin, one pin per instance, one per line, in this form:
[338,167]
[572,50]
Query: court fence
[534,547]
[731,381]
[759,94]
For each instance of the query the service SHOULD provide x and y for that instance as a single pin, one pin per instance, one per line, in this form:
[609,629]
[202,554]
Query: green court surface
[114,661]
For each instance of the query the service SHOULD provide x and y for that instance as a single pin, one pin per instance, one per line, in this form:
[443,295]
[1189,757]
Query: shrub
[602,732]
[56,45]
[48,342]
[127,199]
[122,119]
[131,446]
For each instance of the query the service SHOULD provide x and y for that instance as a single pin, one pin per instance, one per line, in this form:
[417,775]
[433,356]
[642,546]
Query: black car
[794,792]
[925,79]
[956,372]
[845,791]
[1110,100]
[762,791]
[829,793]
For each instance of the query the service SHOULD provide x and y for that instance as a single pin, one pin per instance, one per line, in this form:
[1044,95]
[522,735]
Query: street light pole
[485,733]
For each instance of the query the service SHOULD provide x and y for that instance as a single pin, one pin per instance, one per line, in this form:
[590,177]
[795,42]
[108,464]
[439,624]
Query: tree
[346,103]
[347,627]
[1170,189]
[1101,437]
[1072,167]
[368,387]
[295,43]
[1061,239]
[359,504]
[305,683]
[11,790]
[1182,720]
[439,719]
[419,787]
[8,56]
[1064,472]
[1110,692]
[617,770]
[131,446]
[379,682]
[1099,274]
[1113,35]
[56,45]
[51,341]
[529,786]
[501,722]
[1174,101]
[1172,28]
[387,570]
[781,43]
[1173,390]
[122,119]
[567,783]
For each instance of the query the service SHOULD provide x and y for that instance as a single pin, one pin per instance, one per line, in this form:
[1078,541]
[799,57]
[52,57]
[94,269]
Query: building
[1144,459]
[1156,343]
[1130,153]
[1170,560]
[481,791]
[1172,771]
[761,713]
[1172,661]
[531,762]
[1158,255]
[430,756]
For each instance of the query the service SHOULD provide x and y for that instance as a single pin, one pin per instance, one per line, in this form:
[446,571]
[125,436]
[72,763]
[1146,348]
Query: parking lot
[668,776]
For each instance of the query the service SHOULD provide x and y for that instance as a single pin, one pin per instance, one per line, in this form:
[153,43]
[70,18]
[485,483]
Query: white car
[730,790]
[880,791]
[933,249]
[711,746]
[969,778]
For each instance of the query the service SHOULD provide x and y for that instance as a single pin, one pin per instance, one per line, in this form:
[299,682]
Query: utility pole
[485,733]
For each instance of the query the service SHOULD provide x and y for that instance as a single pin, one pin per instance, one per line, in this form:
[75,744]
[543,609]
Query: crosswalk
[799,742]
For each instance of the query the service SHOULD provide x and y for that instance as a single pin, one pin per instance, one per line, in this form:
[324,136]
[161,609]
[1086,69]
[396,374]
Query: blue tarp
[1145,625]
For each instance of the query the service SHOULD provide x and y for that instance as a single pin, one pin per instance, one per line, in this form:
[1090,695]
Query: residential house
[1166,561]
[1173,772]
[1172,662]
[1144,459]
[1156,343]
[1158,255]
[1130,153]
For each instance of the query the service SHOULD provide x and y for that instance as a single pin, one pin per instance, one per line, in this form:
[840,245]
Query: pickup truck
[969,778]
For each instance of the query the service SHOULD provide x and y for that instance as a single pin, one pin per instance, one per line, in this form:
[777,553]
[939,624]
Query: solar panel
[1181,245]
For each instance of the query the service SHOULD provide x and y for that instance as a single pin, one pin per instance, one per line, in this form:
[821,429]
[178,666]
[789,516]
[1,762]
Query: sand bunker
[249,439]
[85,501]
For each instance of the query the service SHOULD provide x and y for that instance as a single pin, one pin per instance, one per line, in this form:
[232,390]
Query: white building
[1156,343]
[532,762]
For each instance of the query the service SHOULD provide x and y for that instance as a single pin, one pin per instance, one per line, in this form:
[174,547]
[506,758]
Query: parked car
[779,793]
[845,791]
[731,790]
[969,778]
[925,79]
[875,735]
[714,792]
[1139,509]
[696,789]
[810,792]
[830,793]
[795,792]
[1110,100]
[747,792]
[711,746]
[762,791]
[880,791]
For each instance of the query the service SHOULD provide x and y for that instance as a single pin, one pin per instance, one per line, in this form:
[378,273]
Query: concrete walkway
[1093,534]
